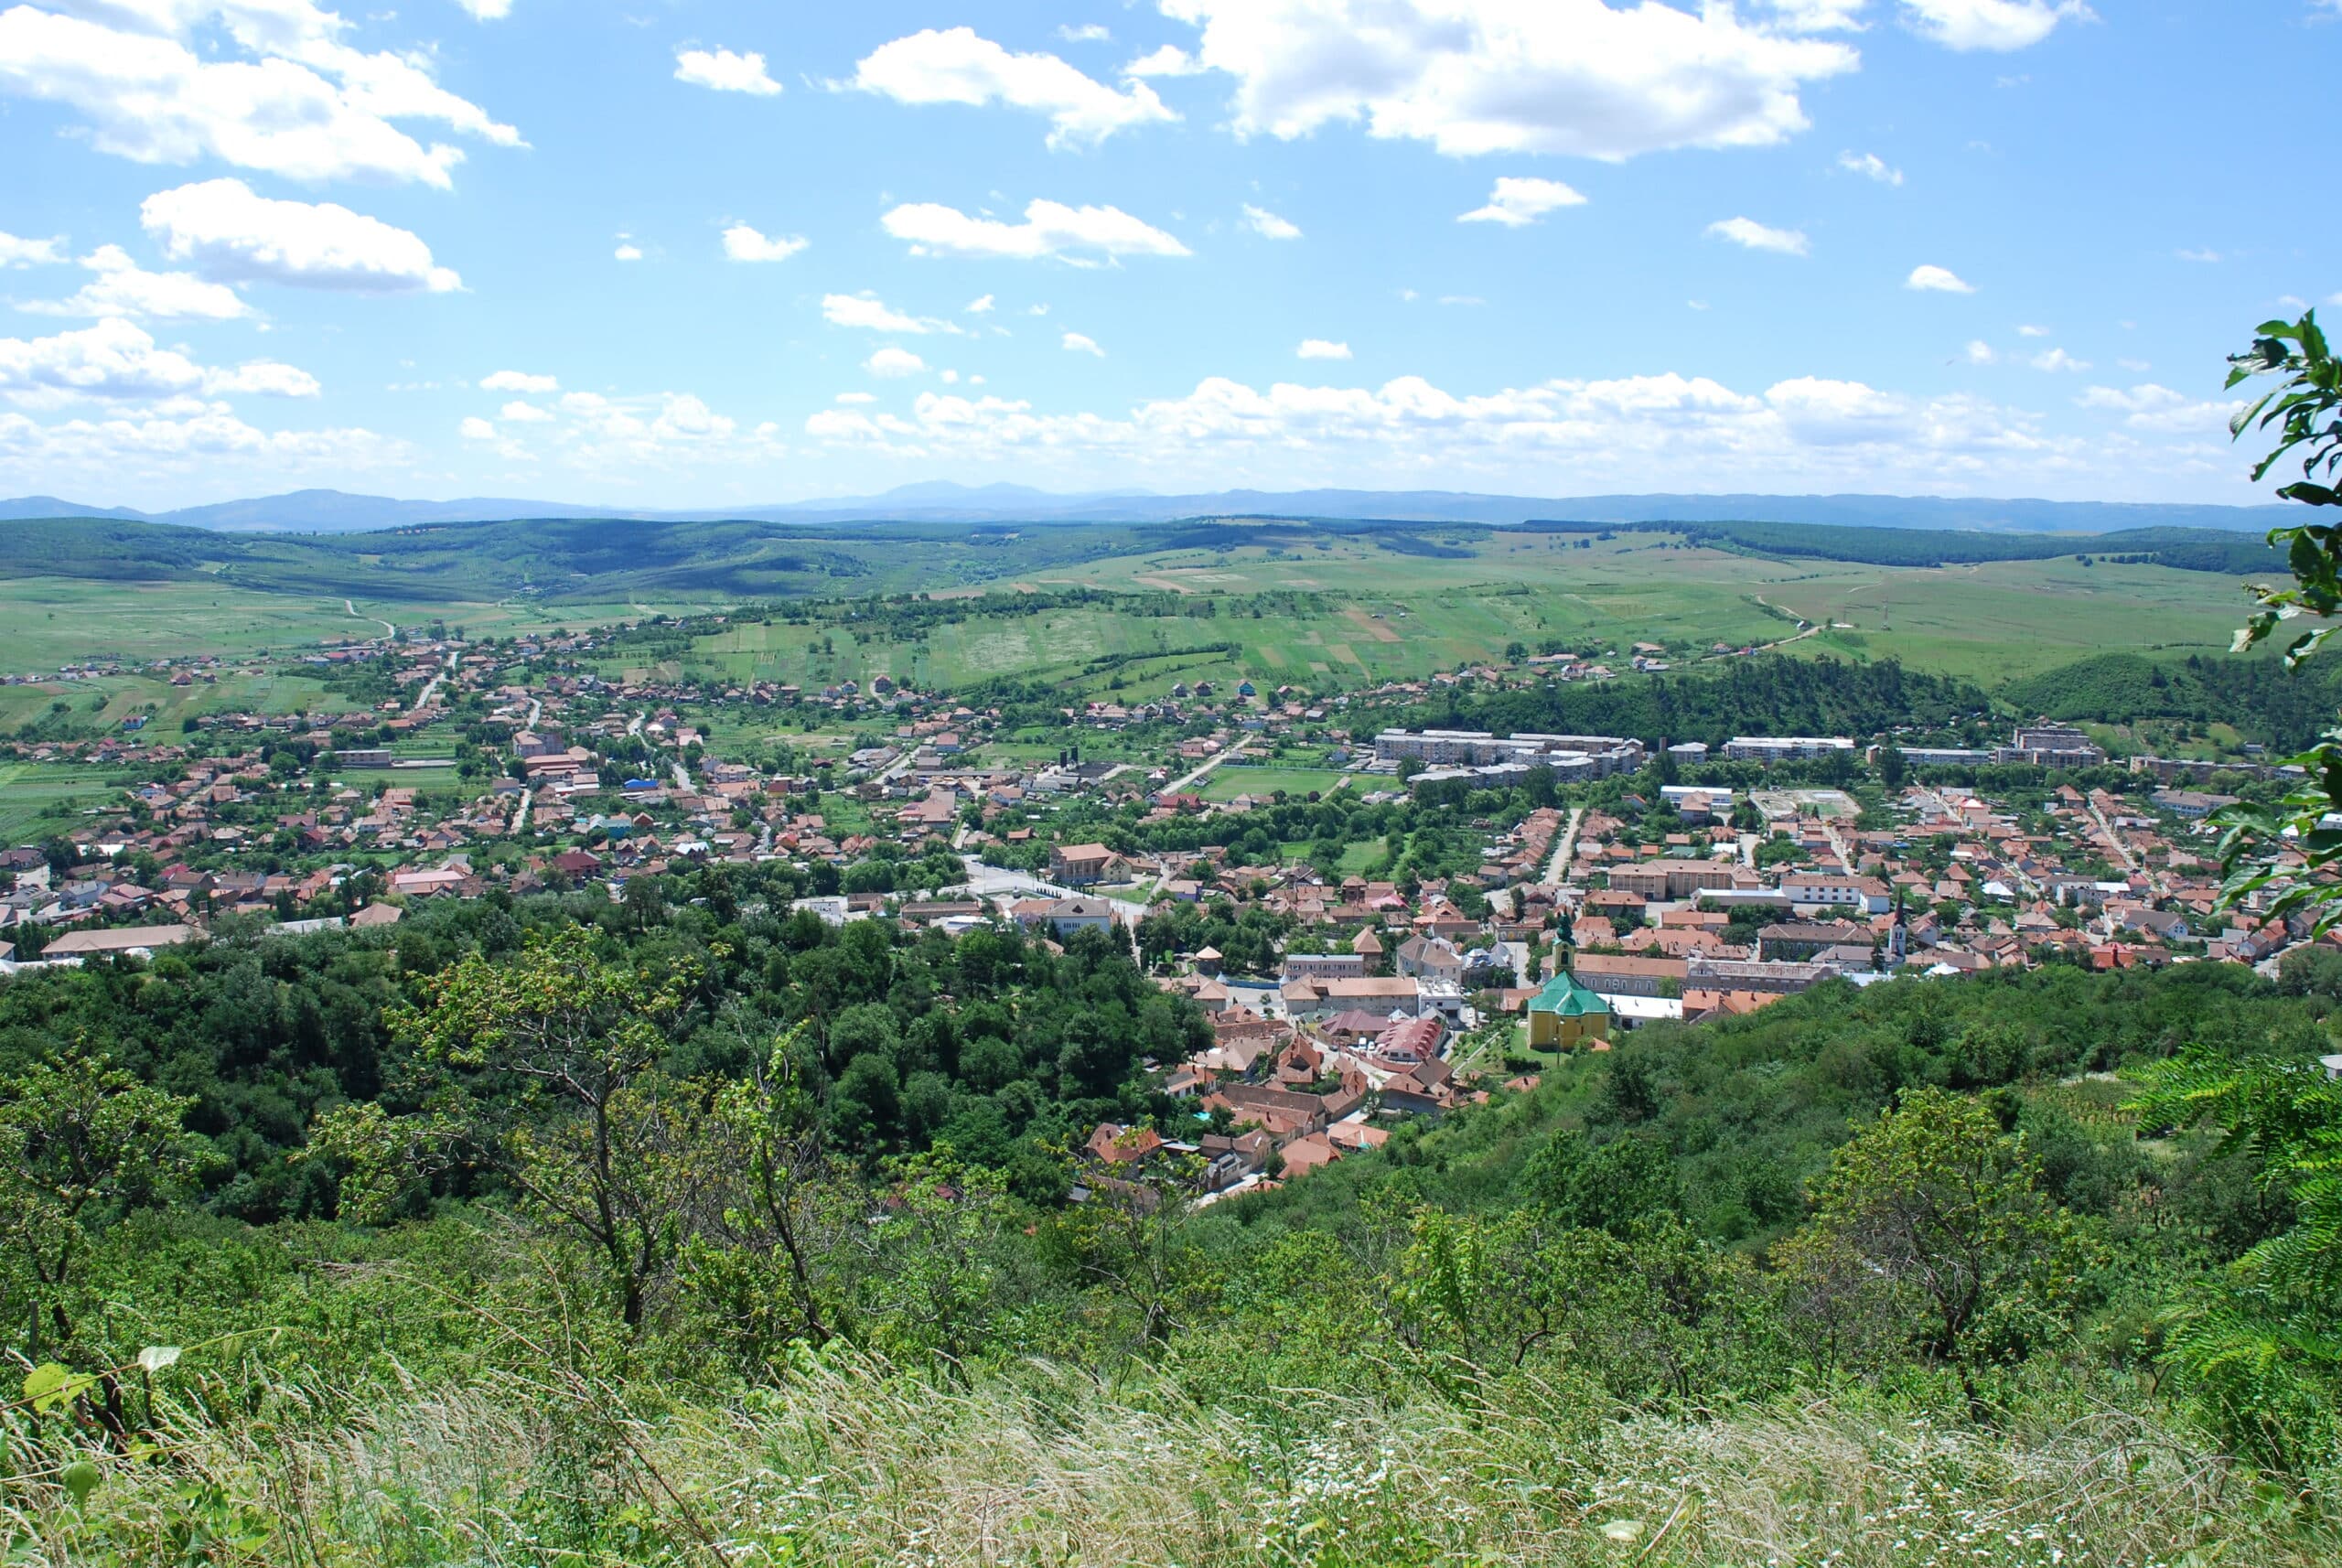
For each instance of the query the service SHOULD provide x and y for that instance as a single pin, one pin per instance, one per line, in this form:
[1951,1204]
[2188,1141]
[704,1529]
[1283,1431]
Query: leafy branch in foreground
[2285,858]
[2306,412]
[2260,1347]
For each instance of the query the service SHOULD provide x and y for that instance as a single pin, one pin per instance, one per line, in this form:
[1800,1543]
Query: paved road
[536,707]
[521,814]
[431,688]
[1838,845]
[1807,629]
[1557,870]
[1182,786]
[2113,840]
[683,779]
[387,629]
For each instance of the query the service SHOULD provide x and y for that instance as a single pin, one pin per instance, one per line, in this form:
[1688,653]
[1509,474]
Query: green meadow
[1349,614]
[1315,608]
[40,798]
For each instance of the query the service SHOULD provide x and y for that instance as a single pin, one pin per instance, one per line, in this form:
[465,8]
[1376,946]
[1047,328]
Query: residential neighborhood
[1378,923]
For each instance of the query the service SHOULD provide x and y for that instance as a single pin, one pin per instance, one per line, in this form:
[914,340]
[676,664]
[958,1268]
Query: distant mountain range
[335,512]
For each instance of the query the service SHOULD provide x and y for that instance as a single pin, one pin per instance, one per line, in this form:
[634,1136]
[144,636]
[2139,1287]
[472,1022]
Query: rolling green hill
[1318,603]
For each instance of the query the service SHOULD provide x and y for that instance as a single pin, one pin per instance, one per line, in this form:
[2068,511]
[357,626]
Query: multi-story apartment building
[1785,748]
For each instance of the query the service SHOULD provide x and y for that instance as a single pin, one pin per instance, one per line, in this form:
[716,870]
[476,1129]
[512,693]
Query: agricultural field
[1318,608]
[1347,613]
[32,793]
[46,622]
[49,621]
[2001,619]
[107,701]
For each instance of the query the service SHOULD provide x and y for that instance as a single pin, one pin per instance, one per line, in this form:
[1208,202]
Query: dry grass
[849,1465]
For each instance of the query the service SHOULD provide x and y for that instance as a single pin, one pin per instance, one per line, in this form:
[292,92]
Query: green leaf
[49,1387]
[81,1478]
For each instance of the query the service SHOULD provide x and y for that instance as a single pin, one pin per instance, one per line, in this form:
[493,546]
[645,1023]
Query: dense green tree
[1932,1225]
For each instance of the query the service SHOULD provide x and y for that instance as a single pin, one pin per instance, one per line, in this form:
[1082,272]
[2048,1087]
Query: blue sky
[695,253]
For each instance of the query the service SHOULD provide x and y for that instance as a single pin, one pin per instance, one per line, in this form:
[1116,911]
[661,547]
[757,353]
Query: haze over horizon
[718,256]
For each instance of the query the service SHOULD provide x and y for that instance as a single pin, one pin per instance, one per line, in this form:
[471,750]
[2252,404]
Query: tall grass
[848,1462]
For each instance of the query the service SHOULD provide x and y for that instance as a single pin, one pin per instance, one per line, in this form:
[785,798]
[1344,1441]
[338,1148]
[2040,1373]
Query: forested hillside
[1753,696]
[2189,549]
[2263,701]
[676,1230]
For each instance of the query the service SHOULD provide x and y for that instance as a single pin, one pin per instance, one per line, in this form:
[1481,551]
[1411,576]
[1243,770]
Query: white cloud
[1937,280]
[615,437]
[16,252]
[855,397]
[1637,426]
[486,10]
[235,236]
[1752,235]
[2032,331]
[1169,61]
[1268,225]
[743,243]
[1870,166]
[475,428]
[123,288]
[1820,15]
[1322,349]
[724,71]
[1515,201]
[891,361]
[297,102]
[1557,438]
[519,381]
[1051,228]
[1471,77]
[111,359]
[1077,343]
[1980,352]
[2137,367]
[2199,255]
[1088,33]
[980,306]
[684,416]
[263,378]
[2159,409]
[167,448]
[866,312]
[957,66]
[1999,24]
[2056,360]
[519,412]
[626,252]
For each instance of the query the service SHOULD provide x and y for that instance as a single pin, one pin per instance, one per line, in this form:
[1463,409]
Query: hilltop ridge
[335,512]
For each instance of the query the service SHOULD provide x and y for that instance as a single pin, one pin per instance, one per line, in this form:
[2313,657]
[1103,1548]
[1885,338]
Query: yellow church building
[1566,1015]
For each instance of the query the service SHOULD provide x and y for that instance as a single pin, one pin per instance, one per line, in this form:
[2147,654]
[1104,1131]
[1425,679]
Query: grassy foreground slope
[1573,1327]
